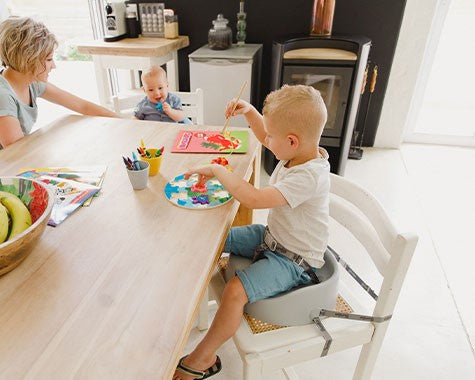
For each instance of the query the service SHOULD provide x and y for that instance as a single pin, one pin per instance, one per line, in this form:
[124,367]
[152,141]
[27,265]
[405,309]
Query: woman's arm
[10,130]
[66,99]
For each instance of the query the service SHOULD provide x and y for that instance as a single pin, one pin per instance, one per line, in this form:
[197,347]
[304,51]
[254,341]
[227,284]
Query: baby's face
[156,88]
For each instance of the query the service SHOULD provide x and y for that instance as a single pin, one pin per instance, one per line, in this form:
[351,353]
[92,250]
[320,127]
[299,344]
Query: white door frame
[429,55]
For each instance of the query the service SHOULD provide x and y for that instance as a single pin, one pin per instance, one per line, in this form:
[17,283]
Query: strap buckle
[298,260]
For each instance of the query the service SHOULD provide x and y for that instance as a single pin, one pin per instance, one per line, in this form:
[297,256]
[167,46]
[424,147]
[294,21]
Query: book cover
[92,175]
[70,195]
[210,142]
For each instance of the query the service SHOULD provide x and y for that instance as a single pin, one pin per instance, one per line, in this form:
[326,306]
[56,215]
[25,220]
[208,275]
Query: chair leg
[369,353]
[251,367]
[203,313]
[290,373]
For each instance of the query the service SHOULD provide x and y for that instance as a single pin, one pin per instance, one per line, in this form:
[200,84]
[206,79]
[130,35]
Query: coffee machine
[115,21]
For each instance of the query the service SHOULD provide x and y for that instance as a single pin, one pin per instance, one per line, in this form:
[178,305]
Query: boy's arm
[177,115]
[248,195]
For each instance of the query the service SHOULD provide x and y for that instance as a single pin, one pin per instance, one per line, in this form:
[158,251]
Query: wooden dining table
[112,292]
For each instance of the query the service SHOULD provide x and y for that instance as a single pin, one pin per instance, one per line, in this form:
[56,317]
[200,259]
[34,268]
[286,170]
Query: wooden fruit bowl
[39,200]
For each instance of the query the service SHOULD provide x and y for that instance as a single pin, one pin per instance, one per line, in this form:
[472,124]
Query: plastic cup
[154,162]
[139,178]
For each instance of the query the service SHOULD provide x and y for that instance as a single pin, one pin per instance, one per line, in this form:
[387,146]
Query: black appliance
[335,66]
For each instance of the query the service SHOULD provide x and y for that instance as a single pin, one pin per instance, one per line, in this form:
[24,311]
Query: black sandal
[213,370]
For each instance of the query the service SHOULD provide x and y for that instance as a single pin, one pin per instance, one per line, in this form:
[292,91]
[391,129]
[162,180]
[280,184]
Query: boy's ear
[143,89]
[293,140]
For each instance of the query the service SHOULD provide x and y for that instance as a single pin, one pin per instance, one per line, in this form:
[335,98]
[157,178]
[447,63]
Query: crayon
[141,152]
[127,165]
[136,162]
[131,164]
[159,152]
[142,144]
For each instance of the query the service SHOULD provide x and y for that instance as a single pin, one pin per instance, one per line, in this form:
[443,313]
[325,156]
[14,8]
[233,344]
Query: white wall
[413,37]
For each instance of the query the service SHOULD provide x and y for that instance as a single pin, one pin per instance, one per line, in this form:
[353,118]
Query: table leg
[102,79]
[172,72]
[244,214]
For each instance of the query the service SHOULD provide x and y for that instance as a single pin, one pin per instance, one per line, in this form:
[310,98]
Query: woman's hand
[242,107]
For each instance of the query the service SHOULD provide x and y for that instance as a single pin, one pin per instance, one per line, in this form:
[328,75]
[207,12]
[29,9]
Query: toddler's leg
[225,324]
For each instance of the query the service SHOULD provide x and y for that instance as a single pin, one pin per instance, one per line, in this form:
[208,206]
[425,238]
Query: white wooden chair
[387,251]
[192,103]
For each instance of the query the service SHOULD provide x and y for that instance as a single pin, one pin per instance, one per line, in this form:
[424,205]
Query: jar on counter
[171,26]
[220,37]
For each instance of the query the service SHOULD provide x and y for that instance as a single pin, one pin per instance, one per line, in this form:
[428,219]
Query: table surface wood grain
[112,291]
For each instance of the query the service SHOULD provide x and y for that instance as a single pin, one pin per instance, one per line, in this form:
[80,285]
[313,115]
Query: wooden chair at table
[192,103]
[356,212]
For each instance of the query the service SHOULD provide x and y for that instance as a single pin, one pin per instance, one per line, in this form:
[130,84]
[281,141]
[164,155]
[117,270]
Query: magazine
[70,195]
[92,175]
[210,142]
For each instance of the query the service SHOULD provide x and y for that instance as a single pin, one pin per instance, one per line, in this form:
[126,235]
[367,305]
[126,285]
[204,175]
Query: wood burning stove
[335,66]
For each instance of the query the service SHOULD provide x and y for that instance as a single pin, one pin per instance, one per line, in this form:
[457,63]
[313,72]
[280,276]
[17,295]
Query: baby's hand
[242,107]
[166,107]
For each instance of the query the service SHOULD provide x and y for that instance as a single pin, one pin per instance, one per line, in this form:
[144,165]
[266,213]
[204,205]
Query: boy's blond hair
[153,71]
[25,44]
[297,109]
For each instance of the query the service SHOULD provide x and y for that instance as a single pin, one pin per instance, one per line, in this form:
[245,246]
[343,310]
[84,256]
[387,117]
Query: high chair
[318,330]
[192,103]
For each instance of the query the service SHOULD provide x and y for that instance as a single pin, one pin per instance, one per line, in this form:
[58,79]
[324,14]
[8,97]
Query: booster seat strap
[353,274]
[356,317]
[326,335]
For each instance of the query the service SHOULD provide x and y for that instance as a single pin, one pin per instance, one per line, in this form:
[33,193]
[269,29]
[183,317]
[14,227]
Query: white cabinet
[220,74]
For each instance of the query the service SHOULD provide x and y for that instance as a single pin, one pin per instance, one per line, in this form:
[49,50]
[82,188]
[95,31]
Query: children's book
[210,142]
[92,175]
[70,195]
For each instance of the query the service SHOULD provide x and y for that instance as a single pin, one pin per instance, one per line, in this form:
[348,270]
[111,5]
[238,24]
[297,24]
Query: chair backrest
[192,103]
[362,215]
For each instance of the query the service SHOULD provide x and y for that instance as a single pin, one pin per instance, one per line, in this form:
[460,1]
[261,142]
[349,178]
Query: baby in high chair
[159,104]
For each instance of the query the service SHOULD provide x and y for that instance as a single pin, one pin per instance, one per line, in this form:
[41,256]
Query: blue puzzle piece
[159,106]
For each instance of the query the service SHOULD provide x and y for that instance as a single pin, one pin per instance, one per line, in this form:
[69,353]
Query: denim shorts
[269,276]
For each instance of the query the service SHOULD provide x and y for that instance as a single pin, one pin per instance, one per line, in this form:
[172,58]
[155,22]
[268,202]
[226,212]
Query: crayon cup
[139,178]
[154,162]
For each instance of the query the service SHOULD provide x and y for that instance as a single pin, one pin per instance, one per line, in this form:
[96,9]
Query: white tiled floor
[429,190]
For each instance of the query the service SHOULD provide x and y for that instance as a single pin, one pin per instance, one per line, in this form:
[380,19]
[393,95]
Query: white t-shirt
[301,226]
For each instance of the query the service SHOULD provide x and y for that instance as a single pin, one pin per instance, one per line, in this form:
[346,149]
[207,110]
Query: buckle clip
[298,260]
[273,245]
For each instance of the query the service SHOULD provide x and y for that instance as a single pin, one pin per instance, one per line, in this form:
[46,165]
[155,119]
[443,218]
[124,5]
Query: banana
[6,194]
[4,222]
[21,218]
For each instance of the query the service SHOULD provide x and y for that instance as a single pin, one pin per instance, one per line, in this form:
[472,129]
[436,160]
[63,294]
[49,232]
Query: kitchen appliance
[115,21]
[220,74]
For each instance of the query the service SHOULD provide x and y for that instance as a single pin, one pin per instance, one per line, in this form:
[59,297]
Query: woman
[26,52]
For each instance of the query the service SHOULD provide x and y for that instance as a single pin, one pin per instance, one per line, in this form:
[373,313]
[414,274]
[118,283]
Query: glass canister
[171,26]
[220,37]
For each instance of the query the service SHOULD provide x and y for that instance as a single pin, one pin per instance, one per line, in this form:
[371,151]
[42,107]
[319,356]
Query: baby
[159,104]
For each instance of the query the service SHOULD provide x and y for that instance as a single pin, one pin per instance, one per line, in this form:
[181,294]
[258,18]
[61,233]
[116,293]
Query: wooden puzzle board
[178,191]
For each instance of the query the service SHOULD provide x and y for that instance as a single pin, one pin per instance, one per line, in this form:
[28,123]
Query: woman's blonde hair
[25,44]
[299,109]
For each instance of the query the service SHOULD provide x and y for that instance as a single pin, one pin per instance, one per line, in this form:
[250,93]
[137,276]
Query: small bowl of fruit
[25,208]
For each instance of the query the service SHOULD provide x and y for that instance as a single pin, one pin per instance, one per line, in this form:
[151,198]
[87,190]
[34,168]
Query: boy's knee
[235,290]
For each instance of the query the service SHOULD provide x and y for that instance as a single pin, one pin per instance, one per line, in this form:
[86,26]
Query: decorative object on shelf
[241,25]
[220,37]
[322,17]
[152,19]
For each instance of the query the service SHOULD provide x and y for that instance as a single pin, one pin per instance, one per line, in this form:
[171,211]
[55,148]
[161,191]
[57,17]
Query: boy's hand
[242,107]
[204,172]
[166,107]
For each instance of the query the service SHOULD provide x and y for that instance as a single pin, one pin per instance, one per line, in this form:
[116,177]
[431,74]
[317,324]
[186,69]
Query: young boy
[159,104]
[298,198]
